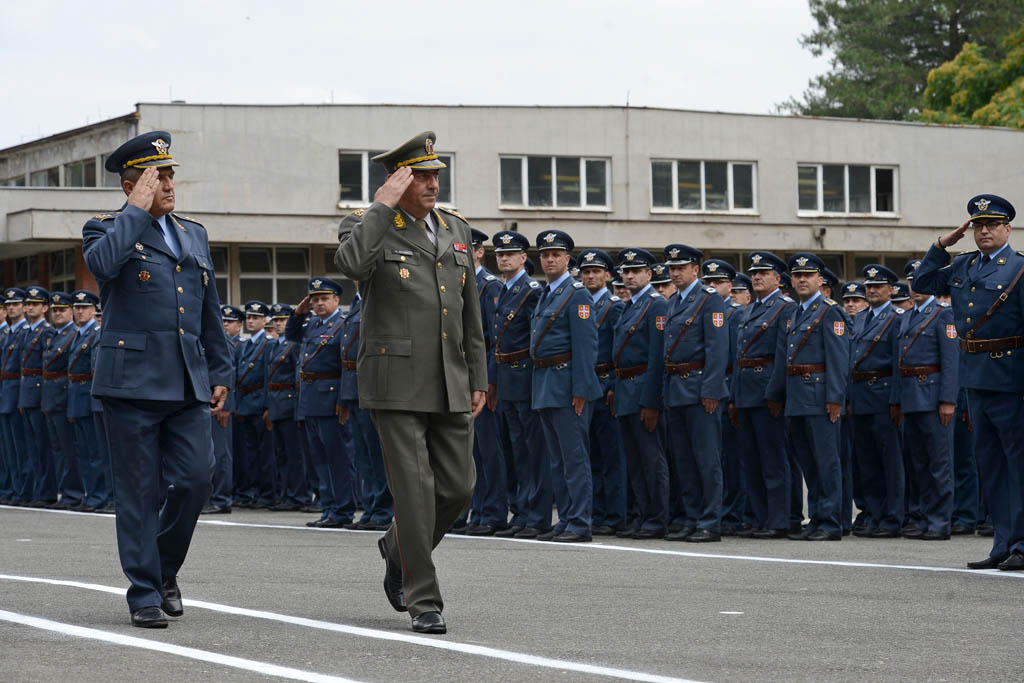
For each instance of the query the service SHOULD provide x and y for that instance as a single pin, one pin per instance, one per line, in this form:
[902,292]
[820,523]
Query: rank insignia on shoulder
[655,295]
[830,302]
[534,284]
[105,216]
[717,319]
[583,311]
[951,331]
[453,212]
[459,247]
[615,298]
[710,290]
[358,213]
[490,278]
[839,328]
[399,221]
[659,321]
[577,285]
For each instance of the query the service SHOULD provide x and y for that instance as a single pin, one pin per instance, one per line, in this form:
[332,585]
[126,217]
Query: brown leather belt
[683,369]
[551,361]
[505,358]
[757,362]
[630,373]
[9,375]
[282,386]
[988,345]
[805,369]
[310,377]
[249,388]
[54,375]
[869,375]
[31,372]
[80,377]
[348,365]
[919,371]
[603,369]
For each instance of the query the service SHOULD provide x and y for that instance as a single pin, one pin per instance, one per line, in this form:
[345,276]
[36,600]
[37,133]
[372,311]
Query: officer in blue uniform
[222,424]
[988,307]
[927,367]
[93,463]
[279,417]
[563,347]
[12,427]
[661,280]
[810,375]
[99,421]
[874,401]
[967,516]
[41,472]
[163,362]
[59,340]
[901,297]
[607,459]
[762,428]
[6,460]
[512,393]
[695,356]
[639,357]
[254,462]
[742,289]
[316,323]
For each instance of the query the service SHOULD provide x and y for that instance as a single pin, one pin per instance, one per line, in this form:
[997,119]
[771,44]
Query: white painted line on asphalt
[730,612]
[167,648]
[436,643]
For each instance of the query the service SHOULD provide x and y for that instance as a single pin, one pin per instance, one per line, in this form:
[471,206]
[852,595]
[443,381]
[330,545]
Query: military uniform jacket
[233,350]
[514,379]
[872,396]
[319,355]
[733,313]
[489,288]
[973,288]
[32,345]
[282,360]
[828,344]
[645,347]
[10,365]
[749,385]
[161,315]
[572,330]
[80,365]
[706,340]
[349,348]
[422,344]
[606,312]
[55,360]
[928,338]
[253,357]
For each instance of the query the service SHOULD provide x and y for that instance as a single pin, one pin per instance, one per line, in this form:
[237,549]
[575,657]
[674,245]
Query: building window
[681,185]
[47,178]
[222,272]
[80,173]
[16,181]
[273,274]
[109,179]
[62,271]
[359,178]
[26,271]
[846,189]
[554,182]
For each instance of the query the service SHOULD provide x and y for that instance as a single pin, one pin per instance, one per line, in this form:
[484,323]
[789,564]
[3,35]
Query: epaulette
[710,290]
[490,278]
[830,302]
[945,305]
[106,216]
[1021,253]
[187,218]
[733,304]
[655,295]
[358,212]
[577,285]
[899,311]
[788,299]
[615,298]
[534,284]
[453,212]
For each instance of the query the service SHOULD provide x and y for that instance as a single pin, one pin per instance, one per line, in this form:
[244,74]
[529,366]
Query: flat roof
[71,133]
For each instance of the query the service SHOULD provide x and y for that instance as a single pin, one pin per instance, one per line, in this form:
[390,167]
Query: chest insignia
[659,321]
[144,276]
[403,273]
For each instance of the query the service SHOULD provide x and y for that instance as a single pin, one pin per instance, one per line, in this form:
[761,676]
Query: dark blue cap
[854,290]
[990,206]
[325,285]
[659,274]
[231,313]
[908,270]
[902,292]
[14,295]
[742,282]
[479,237]
[149,150]
[877,274]
[83,297]
[635,258]
[529,267]
[257,308]
[785,281]
[765,260]
[281,310]
[36,295]
[716,268]
[805,262]
[682,254]
[831,279]
[554,239]
[60,300]
[507,240]
[595,257]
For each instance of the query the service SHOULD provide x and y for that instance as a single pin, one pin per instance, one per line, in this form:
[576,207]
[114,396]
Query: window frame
[873,213]
[730,189]
[273,275]
[553,159]
[365,162]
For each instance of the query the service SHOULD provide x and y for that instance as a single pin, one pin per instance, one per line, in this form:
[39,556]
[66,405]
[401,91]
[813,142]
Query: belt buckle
[561,366]
[995,354]
[685,375]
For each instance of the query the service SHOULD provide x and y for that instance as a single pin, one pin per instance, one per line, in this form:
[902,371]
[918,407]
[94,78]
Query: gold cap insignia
[589,256]
[549,238]
[630,255]
[673,253]
[982,204]
[160,145]
[429,146]
[33,291]
[711,267]
[317,283]
[756,258]
[254,307]
[659,269]
[802,261]
[872,272]
[506,239]
[851,287]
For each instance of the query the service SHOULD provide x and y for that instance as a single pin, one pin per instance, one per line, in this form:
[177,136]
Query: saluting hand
[394,187]
[145,189]
[303,307]
[949,239]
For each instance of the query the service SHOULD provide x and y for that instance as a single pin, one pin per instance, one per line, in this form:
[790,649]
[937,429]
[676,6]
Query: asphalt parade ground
[267,598]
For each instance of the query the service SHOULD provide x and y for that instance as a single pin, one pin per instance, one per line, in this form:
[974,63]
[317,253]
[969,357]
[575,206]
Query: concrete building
[271,183]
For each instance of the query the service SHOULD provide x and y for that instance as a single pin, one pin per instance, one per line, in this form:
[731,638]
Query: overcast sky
[69,63]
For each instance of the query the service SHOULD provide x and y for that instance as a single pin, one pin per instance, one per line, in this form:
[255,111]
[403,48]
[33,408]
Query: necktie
[170,238]
[426,228]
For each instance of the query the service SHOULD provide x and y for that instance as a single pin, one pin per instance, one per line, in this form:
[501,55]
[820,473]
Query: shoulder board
[899,311]
[577,285]
[106,216]
[453,212]
[534,284]
[1021,253]
[710,290]
[655,295]
[490,278]
[944,304]
[358,212]
[830,302]
[186,218]
[788,299]
[615,298]
[734,305]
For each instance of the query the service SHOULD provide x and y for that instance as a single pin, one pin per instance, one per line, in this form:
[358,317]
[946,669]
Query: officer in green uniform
[421,364]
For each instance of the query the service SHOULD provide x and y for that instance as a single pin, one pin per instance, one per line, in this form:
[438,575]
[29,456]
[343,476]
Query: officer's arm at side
[472,326]
[219,359]
[106,245]
[837,355]
[949,352]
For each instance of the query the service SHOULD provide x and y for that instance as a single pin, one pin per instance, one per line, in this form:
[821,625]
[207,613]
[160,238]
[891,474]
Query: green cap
[417,153]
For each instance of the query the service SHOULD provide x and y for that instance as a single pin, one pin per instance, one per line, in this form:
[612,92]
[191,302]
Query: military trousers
[852,493]
[67,467]
[647,465]
[815,443]
[735,509]
[41,461]
[608,467]
[568,444]
[966,503]
[157,444]
[7,464]
[528,454]
[93,469]
[222,476]
[490,497]
[762,444]
[929,446]
[695,444]
[257,460]
[428,458]
[290,468]
[877,447]
[330,450]
[378,505]
[21,469]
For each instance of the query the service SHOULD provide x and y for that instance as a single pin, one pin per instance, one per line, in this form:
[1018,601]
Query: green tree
[881,51]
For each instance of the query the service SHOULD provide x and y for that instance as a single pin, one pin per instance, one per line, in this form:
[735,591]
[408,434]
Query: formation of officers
[691,403]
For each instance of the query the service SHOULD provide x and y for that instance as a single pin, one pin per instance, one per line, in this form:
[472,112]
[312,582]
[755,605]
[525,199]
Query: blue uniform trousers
[309,485]
[490,497]
[761,441]
[7,463]
[240,478]
[152,443]
[912,504]
[796,481]
[647,465]
[257,460]
[330,450]
[1000,454]
[14,434]
[93,467]
[223,463]
[695,443]
[40,465]
[930,449]
[100,423]
[877,443]
[607,466]
[815,441]
[846,469]
[66,462]
[966,503]
[734,484]
[529,459]
[289,486]
[568,447]
[378,505]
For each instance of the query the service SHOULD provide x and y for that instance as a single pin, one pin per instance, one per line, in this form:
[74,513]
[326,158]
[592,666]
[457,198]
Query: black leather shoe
[393,587]
[429,622]
[986,530]
[109,509]
[509,532]
[172,598]
[481,530]
[1014,563]
[770,533]
[747,532]
[861,532]
[310,507]
[571,537]
[801,536]
[377,526]
[681,535]
[285,507]
[645,534]
[331,523]
[674,528]
[933,536]
[215,510]
[961,530]
[85,508]
[911,528]
[987,563]
[913,532]
[887,533]
[315,523]
[527,532]
[625,533]
[703,536]
[459,530]
[730,531]
[548,535]
[603,530]
[822,535]
[149,617]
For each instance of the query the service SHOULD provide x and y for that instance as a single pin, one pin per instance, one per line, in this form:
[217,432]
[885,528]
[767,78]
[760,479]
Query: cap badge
[277,308]
[317,283]
[659,269]
[755,259]
[630,255]
[33,291]
[673,253]
[872,272]
[161,146]
[506,239]
[254,307]
[429,146]
[549,238]
[851,287]
[589,256]
[80,296]
[802,261]
[982,204]
[711,267]
[916,265]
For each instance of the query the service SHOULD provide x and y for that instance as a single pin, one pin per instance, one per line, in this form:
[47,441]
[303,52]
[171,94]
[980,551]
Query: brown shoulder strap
[88,341]
[551,321]
[510,316]
[607,310]
[322,344]
[686,325]
[31,346]
[938,309]
[824,310]
[282,359]
[632,330]
[764,328]
[877,338]
[351,342]
[67,345]
[252,363]
[996,304]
